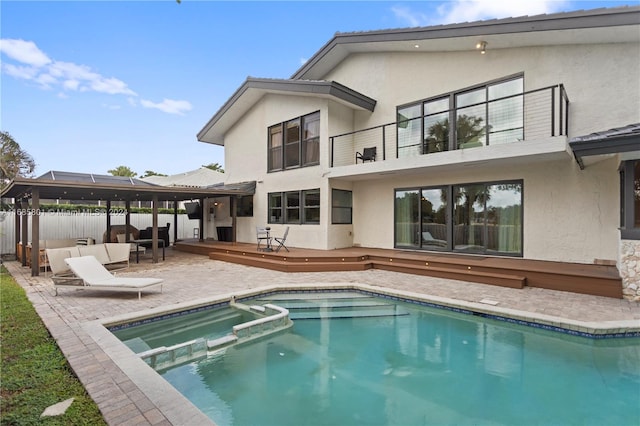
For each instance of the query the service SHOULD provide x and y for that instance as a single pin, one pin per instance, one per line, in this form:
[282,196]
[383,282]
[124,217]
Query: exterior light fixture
[482,46]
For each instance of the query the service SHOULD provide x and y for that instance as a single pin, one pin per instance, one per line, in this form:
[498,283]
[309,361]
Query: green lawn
[33,372]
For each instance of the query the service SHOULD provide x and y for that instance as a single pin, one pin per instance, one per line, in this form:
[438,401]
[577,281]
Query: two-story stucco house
[513,137]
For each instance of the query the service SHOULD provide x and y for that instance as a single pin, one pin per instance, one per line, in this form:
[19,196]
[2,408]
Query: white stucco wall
[246,159]
[560,221]
[601,80]
[569,214]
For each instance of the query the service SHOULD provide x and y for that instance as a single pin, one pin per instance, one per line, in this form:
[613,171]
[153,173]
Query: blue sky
[87,86]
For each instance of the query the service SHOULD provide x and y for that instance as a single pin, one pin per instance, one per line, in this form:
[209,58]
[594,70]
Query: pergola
[85,186]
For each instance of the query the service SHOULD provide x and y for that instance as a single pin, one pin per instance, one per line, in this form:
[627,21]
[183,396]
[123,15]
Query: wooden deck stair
[597,280]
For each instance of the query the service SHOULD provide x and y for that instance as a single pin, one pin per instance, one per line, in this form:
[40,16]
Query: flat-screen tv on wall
[193,210]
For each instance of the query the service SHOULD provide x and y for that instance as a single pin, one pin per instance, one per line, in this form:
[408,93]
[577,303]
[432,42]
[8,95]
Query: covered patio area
[56,185]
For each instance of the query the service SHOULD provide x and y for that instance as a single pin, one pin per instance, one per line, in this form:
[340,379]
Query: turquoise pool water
[352,359]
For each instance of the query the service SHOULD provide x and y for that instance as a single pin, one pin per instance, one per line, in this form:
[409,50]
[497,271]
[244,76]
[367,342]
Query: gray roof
[255,88]
[612,141]
[547,29]
[87,186]
[54,175]
[606,25]
[198,178]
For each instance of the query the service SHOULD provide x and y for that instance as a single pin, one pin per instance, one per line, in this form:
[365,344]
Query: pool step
[164,357]
[209,324]
[268,319]
[358,307]
[332,313]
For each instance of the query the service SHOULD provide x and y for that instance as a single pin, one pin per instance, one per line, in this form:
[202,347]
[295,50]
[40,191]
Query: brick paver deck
[129,395]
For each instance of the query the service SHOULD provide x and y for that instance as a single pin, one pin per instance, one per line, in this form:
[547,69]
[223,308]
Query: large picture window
[483,218]
[630,200]
[295,143]
[341,207]
[488,114]
[295,207]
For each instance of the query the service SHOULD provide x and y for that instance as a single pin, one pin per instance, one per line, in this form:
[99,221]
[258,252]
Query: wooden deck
[599,280]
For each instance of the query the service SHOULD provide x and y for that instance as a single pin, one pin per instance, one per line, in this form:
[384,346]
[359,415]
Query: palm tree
[468,129]
[122,171]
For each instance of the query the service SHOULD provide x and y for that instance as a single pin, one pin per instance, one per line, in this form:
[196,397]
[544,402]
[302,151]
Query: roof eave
[597,18]
[224,118]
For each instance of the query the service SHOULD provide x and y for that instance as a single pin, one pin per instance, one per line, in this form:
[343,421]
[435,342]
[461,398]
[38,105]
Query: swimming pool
[351,358]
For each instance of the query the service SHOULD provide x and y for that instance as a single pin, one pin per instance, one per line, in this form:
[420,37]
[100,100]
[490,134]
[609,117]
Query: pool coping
[179,410]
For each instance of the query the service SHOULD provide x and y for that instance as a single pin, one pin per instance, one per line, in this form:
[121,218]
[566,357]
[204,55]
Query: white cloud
[475,10]
[112,86]
[168,105]
[457,11]
[21,72]
[412,18]
[71,84]
[34,65]
[24,51]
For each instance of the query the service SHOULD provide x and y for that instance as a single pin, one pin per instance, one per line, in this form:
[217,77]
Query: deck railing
[531,115]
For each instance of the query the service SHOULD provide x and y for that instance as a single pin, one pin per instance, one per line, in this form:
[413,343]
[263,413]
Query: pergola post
[35,232]
[24,225]
[154,232]
[201,220]
[175,222]
[234,215]
[108,239]
[127,220]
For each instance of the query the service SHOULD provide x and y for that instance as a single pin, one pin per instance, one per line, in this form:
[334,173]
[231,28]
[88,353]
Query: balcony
[519,121]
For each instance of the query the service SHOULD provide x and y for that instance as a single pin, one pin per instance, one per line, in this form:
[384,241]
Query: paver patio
[126,396]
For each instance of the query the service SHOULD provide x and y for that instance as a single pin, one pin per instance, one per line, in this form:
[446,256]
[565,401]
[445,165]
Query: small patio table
[268,247]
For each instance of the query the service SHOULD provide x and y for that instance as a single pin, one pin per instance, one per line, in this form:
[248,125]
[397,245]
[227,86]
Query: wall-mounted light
[482,46]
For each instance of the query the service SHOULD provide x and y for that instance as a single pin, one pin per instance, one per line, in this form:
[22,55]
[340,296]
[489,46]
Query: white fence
[83,225]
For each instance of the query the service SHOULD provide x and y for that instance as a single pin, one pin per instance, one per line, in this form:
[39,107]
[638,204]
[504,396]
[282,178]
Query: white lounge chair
[97,277]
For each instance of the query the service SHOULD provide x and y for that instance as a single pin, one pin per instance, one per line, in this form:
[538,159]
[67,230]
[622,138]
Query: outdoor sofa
[51,244]
[114,256]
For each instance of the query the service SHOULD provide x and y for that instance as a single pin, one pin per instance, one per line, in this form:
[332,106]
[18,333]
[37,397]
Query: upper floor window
[630,200]
[294,143]
[489,114]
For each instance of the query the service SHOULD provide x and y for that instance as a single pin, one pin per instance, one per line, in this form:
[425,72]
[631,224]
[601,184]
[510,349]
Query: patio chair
[263,235]
[95,276]
[368,154]
[281,241]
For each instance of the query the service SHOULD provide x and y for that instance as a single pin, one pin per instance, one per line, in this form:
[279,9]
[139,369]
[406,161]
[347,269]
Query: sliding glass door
[482,218]
[406,218]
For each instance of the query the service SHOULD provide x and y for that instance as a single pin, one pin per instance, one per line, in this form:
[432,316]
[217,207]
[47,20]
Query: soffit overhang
[253,89]
[615,25]
[460,161]
[604,144]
